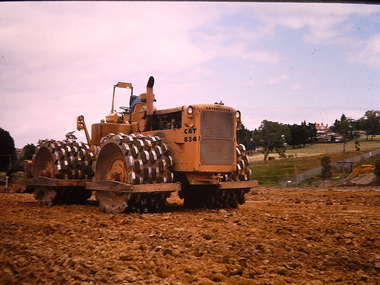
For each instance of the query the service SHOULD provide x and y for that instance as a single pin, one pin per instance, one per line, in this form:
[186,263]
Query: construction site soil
[316,235]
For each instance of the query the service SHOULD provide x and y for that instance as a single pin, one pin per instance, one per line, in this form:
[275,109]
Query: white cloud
[330,25]
[264,56]
[296,86]
[365,52]
[124,32]
[276,80]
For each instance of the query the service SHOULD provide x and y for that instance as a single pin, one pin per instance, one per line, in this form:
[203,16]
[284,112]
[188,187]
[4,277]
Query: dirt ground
[279,236]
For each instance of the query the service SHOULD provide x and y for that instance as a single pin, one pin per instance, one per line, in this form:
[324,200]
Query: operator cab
[133,101]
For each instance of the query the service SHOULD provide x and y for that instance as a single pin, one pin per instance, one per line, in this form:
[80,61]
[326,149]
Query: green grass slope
[272,172]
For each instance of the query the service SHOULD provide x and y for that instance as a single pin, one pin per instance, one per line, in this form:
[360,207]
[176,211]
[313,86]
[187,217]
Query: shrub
[326,172]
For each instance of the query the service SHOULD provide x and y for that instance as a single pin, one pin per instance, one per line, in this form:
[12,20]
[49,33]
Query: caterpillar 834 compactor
[135,159]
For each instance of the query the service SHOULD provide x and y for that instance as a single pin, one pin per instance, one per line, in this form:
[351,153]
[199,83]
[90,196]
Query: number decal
[190,139]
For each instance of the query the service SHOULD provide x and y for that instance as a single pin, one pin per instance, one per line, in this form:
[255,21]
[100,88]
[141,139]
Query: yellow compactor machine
[135,159]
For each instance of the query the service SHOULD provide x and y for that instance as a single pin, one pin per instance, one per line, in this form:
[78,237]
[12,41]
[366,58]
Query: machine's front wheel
[132,159]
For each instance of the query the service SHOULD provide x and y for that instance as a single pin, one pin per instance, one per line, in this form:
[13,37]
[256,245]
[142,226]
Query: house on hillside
[322,128]
[324,134]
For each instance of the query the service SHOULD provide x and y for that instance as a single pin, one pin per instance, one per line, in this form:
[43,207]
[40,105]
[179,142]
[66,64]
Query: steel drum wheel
[62,160]
[243,172]
[43,164]
[132,159]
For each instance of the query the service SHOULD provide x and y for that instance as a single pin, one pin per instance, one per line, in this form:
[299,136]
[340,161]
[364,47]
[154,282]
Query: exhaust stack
[149,96]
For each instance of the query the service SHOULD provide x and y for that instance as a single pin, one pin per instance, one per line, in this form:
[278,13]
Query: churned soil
[279,236]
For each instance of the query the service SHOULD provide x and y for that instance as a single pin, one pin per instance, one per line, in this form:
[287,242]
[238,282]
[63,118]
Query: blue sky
[282,62]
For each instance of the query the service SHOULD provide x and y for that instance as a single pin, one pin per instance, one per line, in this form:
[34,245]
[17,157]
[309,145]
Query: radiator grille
[217,133]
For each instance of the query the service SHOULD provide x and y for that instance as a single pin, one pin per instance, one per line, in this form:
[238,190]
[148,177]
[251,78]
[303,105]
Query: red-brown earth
[310,235]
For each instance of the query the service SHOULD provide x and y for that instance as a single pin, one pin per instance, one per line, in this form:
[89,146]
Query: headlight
[189,110]
[238,115]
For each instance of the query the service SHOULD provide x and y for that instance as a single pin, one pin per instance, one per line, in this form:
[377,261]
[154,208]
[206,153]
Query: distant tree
[271,136]
[312,132]
[245,137]
[326,172]
[7,150]
[299,135]
[345,127]
[302,134]
[27,153]
[370,123]
[295,139]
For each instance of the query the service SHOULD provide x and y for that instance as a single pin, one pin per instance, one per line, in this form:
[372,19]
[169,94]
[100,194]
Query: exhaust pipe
[149,96]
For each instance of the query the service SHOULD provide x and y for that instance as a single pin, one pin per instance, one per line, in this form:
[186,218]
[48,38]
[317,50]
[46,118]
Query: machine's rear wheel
[243,172]
[46,195]
[211,198]
[132,159]
[62,160]
[50,196]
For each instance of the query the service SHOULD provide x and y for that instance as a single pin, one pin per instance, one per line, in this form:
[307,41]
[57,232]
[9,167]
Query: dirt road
[279,236]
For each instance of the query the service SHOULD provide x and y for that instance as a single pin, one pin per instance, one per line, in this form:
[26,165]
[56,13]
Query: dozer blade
[115,186]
